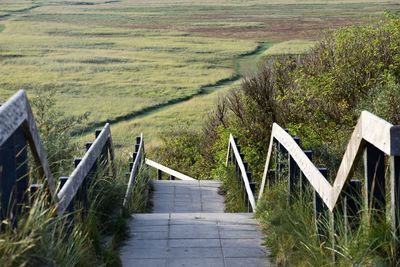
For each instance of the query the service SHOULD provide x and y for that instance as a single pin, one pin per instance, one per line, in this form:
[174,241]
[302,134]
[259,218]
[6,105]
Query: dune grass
[292,237]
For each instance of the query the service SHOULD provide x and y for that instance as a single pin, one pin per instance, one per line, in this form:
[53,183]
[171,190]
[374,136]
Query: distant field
[145,64]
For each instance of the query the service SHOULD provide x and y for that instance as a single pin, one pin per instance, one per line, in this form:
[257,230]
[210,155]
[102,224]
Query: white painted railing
[232,147]
[170,171]
[369,128]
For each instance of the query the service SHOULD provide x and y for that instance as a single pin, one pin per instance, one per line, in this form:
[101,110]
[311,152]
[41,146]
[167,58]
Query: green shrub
[181,151]
[55,130]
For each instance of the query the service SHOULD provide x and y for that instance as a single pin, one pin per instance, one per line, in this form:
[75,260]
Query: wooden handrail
[369,128]
[17,112]
[69,190]
[170,171]
[232,145]
[135,169]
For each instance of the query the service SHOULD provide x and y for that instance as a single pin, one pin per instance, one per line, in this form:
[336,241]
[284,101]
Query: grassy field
[152,65]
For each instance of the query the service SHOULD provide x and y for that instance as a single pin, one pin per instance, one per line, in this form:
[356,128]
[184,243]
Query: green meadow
[149,66]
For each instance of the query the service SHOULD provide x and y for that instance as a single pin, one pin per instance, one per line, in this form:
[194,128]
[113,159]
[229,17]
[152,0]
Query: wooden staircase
[188,227]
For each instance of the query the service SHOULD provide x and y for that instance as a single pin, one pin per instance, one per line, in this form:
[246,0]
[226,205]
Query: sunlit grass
[115,59]
[111,76]
[193,113]
[292,47]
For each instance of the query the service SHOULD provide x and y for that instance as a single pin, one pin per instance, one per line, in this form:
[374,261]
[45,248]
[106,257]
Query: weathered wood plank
[376,131]
[317,180]
[266,167]
[69,190]
[170,171]
[12,114]
[16,112]
[134,170]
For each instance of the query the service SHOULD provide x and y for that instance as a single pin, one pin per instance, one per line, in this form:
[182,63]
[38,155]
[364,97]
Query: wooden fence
[18,131]
[138,159]
[99,154]
[373,138]
[241,172]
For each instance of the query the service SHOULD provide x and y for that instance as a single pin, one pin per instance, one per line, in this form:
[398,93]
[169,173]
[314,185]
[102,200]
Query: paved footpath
[188,227]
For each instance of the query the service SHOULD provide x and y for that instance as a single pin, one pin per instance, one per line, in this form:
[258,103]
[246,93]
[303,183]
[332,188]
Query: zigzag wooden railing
[241,172]
[372,136]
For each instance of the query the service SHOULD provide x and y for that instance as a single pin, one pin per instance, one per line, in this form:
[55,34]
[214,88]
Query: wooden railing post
[352,202]
[82,195]
[8,175]
[93,170]
[395,203]
[293,176]
[22,171]
[103,159]
[304,184]
[159,174]
[374,165]
[321,215]
[63,180]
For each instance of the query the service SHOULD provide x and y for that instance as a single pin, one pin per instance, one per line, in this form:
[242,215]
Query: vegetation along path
[188,227]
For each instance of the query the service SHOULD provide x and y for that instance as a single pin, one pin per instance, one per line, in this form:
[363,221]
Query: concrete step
[187,196]
[195,239]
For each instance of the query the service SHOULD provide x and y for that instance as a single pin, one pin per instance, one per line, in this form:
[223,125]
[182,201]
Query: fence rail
[241,170]
[17,131]
[137,157]
[373,138]
[173,174]
[17,114]
[370,129]
[100,147]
